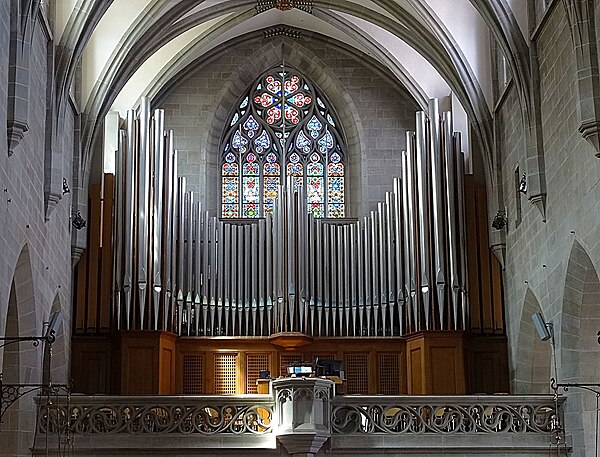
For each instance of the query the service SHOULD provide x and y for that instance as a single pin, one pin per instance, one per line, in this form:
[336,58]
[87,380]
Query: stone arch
[55,362]
[312,67]
[579,349]
[23,286]
[20,360]
[11,367]
[534,356]
[10,354]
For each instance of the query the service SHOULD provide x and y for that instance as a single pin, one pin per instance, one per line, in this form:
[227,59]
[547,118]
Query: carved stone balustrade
[303,410]
[300,418]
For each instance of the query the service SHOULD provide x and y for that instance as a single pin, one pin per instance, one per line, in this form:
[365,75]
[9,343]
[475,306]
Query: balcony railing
[442,414]
[515,425]
[110,415]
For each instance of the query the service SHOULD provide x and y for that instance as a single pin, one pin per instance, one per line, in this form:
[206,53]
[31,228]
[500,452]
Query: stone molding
[580,15]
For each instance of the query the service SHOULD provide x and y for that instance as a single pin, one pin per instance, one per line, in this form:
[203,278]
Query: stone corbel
[580,14]
[23,17]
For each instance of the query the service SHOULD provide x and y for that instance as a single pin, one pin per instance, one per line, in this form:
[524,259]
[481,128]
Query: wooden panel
[389,374]
[81,294]
[166,379]
[472,224]
[484,264]
[443,370]
[325,348]
[93,249]
[139,364]
[225,374]
[416,386]
[488,364]
[254,364]
[285,360]
[485,272]
[90,365]
[193,374]
[357,373]
[106,254]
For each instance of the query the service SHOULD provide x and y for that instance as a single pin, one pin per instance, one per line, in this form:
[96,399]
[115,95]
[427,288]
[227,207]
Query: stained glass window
[282,128]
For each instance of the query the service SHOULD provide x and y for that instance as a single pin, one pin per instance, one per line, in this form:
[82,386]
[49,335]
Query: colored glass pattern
[230,189]
[251,189]
[278,129]
[315,190]
[335,192]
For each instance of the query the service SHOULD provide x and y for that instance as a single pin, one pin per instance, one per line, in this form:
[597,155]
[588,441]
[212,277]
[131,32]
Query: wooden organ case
[171,300]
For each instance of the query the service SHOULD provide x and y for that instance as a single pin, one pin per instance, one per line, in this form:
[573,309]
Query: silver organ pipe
[143,209]
[158,169]
[129,204]
[118,232]
[398,270]
[438,222]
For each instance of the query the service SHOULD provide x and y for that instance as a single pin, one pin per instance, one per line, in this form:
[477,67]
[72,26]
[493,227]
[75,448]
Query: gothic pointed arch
[283,129]
[578,345]
[533,362]
[19,359]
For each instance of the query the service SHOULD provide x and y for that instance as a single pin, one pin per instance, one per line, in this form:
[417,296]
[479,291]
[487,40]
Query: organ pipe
[398,270]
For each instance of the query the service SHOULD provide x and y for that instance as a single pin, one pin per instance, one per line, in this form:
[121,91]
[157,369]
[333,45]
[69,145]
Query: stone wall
[541,254]
[35,252]
[373,112]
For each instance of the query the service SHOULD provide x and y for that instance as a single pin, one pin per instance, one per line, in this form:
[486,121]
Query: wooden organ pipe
[398,270]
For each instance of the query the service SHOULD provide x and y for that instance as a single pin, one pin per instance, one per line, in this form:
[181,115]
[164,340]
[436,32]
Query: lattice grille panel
[285,360]
[225,374]
[193,374]
[324,356]
[254,364]
[389,374]
[357,373]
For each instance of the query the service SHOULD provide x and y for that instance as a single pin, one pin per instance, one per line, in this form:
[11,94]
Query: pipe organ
[399,270]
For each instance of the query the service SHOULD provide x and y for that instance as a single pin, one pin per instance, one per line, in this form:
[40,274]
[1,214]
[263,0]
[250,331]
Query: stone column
[303,414]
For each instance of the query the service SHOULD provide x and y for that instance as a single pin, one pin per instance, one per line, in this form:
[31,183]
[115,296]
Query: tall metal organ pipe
[399,270]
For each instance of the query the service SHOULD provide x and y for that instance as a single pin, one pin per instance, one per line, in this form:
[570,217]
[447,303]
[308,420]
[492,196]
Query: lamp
[545,331]
[499,221]
[10,393]
[79,222]
[523,184]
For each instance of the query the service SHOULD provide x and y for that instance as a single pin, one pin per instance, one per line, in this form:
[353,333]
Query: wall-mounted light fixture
[10,393]
[78,221]
[499,221]
[523,184]
[543,329]
[66,189]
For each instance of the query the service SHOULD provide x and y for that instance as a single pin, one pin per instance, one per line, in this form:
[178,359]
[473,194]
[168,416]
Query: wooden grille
[285,360]
[254,364]
[389,374]
[193,375]
[225,374]
[357,373]
[324,356]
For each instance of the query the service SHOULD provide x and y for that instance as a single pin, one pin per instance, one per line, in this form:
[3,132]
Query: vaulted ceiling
[435,48]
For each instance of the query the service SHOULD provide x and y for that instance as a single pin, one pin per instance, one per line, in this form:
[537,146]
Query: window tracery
[283,128]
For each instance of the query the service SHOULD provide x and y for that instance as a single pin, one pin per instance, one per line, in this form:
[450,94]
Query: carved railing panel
[156,415]
[442,415]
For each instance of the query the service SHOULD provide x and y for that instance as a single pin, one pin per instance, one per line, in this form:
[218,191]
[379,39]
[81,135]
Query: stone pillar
[303,414]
